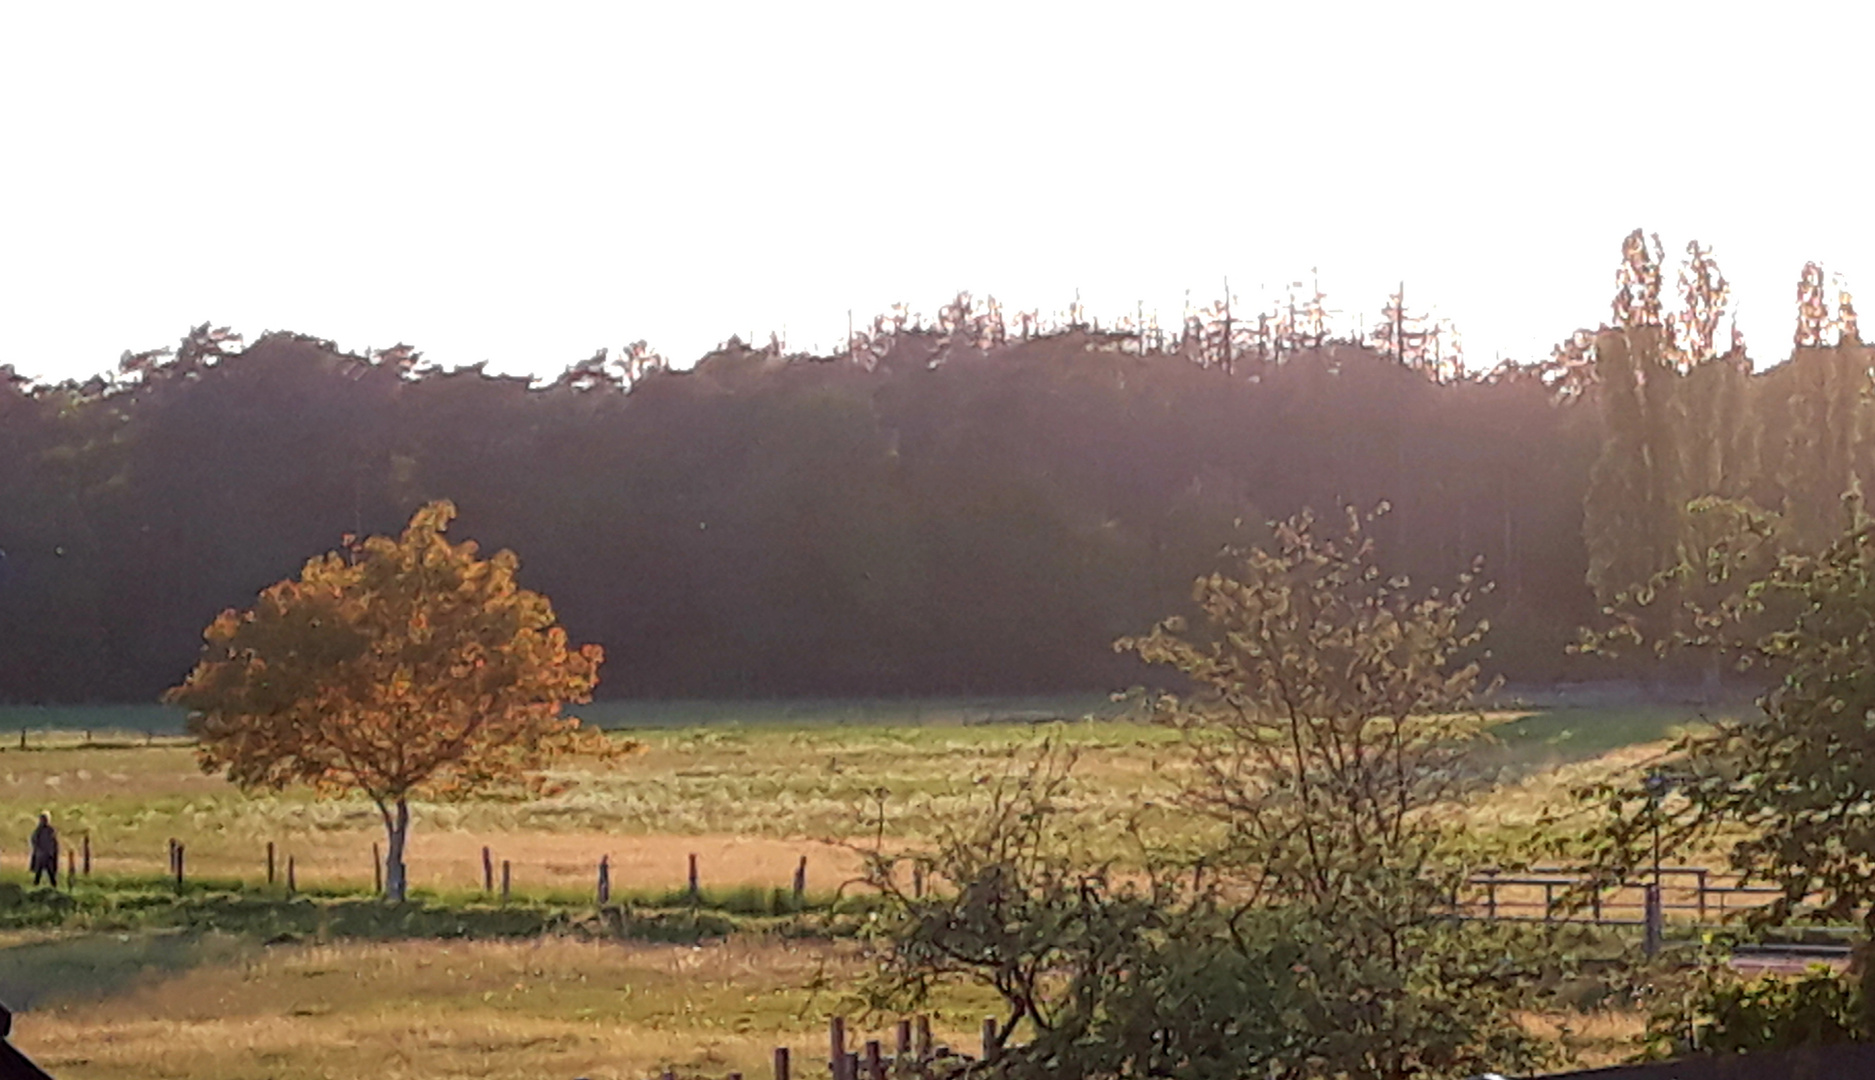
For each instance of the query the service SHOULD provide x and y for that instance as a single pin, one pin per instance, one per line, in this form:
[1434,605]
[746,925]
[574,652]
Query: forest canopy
[973,503]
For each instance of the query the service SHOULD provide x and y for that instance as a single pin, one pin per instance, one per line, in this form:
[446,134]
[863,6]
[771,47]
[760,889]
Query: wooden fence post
[1702,894]
[488,872]
[989,1038]
[71,867]
[292,882]
[781,1063]
[87,849]
[377,870]
[270,862]
[800,881]
[902,1047]
[875,1060]
[179,867]
[921,1037]
[1652,930]
[836,1047]
[696,891]
[507,879]
[605,880]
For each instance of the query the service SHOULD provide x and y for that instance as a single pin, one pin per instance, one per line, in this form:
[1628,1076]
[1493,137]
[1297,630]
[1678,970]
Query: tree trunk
[397,828]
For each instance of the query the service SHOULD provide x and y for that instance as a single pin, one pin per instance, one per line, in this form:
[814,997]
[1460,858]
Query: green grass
[211,1007]
[752,790]
[133,722]
[232,979]
[1557,736]
[94,966]
[114,722]
[126,903]
[801,713]
[752,797]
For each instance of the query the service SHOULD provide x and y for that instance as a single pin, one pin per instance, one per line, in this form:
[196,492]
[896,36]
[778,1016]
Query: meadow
[748,789]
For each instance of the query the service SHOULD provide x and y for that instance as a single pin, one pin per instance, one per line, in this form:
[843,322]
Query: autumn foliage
[397,668]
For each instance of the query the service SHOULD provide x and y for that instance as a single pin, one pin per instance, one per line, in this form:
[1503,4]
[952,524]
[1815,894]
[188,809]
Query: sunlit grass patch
[749,801]
[457,984]
[495,1010]
[749,797]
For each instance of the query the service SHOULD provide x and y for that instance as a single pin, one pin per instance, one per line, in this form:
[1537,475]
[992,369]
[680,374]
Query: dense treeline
[981,504]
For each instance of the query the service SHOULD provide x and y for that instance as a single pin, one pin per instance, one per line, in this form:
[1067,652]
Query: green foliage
[1329,723]
[1704,599]
[1203,999]
[1110,975]
[1679,429]
[1718,1012]
[1307,931]
[1007,895]
[1826,447]
[1800,779]
[1106,976]
[1328,715]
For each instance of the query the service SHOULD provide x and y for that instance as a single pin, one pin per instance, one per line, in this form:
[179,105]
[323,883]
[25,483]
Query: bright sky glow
[524,184]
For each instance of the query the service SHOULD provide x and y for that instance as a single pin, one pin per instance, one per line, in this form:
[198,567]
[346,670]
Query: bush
[1113,975]
[1721,1013]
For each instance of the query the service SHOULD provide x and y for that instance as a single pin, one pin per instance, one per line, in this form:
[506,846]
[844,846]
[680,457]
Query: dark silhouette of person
[45,851]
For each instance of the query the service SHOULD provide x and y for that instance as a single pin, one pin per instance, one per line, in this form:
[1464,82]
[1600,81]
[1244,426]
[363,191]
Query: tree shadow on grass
[91,966]
[1553,737]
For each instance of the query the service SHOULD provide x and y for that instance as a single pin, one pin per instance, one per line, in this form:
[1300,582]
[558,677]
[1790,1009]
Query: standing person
[45,846]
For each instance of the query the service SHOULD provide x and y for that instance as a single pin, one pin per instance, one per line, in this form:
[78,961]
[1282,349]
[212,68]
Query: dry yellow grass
[494,1011]
[507,1011]
[748,801]
[1593,1039]
[452,860]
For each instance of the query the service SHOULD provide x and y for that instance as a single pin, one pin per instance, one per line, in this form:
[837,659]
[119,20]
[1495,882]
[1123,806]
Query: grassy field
[748,790]
[748,799]
[136,721]
[220,1008]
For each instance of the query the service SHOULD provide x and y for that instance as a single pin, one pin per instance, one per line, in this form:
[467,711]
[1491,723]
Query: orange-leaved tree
[397,668]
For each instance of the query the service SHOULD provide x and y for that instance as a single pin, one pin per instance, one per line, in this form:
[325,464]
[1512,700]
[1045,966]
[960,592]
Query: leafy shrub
[1721,1013]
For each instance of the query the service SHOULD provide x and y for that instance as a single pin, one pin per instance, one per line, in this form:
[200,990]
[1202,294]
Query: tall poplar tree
[1826,448]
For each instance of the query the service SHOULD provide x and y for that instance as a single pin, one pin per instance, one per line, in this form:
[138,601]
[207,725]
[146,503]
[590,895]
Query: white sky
[524,184]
